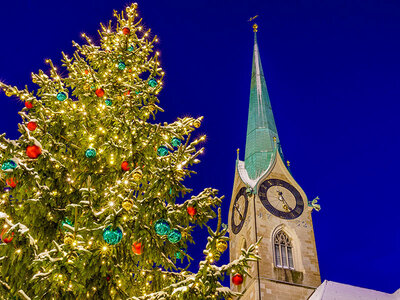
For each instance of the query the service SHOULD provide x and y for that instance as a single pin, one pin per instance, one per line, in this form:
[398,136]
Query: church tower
[268,203]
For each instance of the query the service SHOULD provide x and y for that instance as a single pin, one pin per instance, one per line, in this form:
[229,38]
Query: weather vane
[255,26]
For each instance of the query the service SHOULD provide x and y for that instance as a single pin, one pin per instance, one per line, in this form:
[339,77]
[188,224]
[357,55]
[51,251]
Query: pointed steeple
[262,137]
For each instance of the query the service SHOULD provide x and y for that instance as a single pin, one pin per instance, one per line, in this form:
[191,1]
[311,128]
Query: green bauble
[61,96]
[108,102]
[112,236]
[153,82]
[9,165]
[180,254]
[175,142]
[162,151]
[121,65]
[130,48]
[90,153]
[162,227]
[174,236]
[66,221]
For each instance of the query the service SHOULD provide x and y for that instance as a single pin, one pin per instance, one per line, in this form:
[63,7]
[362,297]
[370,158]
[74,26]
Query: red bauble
[100,92]
[137,248]
[33,151]
[191,211]
[28,104]
[86,72]
[237,279]
[31,126]
[8,239]
[125,166]
[108,278]
[11,183]
[126,30]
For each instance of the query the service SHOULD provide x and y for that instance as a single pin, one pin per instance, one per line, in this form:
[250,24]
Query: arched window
[283,251]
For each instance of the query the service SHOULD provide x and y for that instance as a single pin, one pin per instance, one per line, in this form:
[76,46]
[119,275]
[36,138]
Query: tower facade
[268,203]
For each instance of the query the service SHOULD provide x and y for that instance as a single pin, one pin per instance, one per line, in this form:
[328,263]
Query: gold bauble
[69,239]
[9,93]
[151,107]
[127,205]
[86,87]
[196,123]
[137,174]
[222,246]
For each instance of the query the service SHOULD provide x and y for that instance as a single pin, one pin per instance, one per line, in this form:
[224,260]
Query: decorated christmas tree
[94,202]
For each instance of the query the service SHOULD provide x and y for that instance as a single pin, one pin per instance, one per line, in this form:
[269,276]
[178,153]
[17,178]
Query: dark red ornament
[31,126]
[108,278]
[125,166]
[11,183]
[137,248]
[191,211]
[33,151]
[237,279]
[100,92]
[126,30]
[7,239]
[28,104]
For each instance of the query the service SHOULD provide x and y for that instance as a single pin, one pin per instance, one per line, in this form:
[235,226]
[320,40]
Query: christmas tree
[94,204]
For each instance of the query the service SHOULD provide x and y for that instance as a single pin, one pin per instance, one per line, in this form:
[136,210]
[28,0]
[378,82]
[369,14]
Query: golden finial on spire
[255,27]
[274,139]
[237,151]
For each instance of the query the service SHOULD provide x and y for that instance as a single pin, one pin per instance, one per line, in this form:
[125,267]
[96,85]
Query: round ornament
[126,30]
[162,227]
[137,248]
[127,205]
[137,175]
[153,82]
[196,123]
[9,165]
[62,96]
[151,107]
[99,92]
[33,151]
[175,142]
[28,104]
[112,236]
[121,65]
[125,166]
[31,126]
[162,151]
[69,239]
[108,102]
[11,183]
[90,153]
[222,246]
[7,189]
[237,279]
[174,236]
[66,221]
[191,211]
[6,239]
[108,278]
[180,254]
[130,48]
[86,72]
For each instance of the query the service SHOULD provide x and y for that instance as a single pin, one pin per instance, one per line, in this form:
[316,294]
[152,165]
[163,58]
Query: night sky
[332,71]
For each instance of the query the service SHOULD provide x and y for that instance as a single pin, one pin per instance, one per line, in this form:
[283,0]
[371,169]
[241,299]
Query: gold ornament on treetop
[196,123]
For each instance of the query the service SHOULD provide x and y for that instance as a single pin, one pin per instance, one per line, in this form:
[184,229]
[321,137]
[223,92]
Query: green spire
[261,128]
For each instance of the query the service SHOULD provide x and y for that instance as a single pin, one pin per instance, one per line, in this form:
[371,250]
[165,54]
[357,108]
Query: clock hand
[282,199]
[238,210]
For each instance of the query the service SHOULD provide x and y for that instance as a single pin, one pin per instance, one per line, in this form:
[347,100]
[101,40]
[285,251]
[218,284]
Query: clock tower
[268,203]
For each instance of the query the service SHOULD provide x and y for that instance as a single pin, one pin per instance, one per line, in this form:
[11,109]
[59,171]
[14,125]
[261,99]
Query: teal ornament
[153,82]
[162,151]
[66,221]
[130,48]
[179,254]
[90,153]
[175,142]
[138,92]
[112,236]
[108,102]
[61,96]
[9,165]
[174,236]
[121,65]
[162,227]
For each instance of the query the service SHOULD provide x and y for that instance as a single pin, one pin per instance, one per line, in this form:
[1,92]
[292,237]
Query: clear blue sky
[332,70]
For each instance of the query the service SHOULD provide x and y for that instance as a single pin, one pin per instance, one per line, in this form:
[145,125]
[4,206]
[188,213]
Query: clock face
[239,213]
[281,198]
